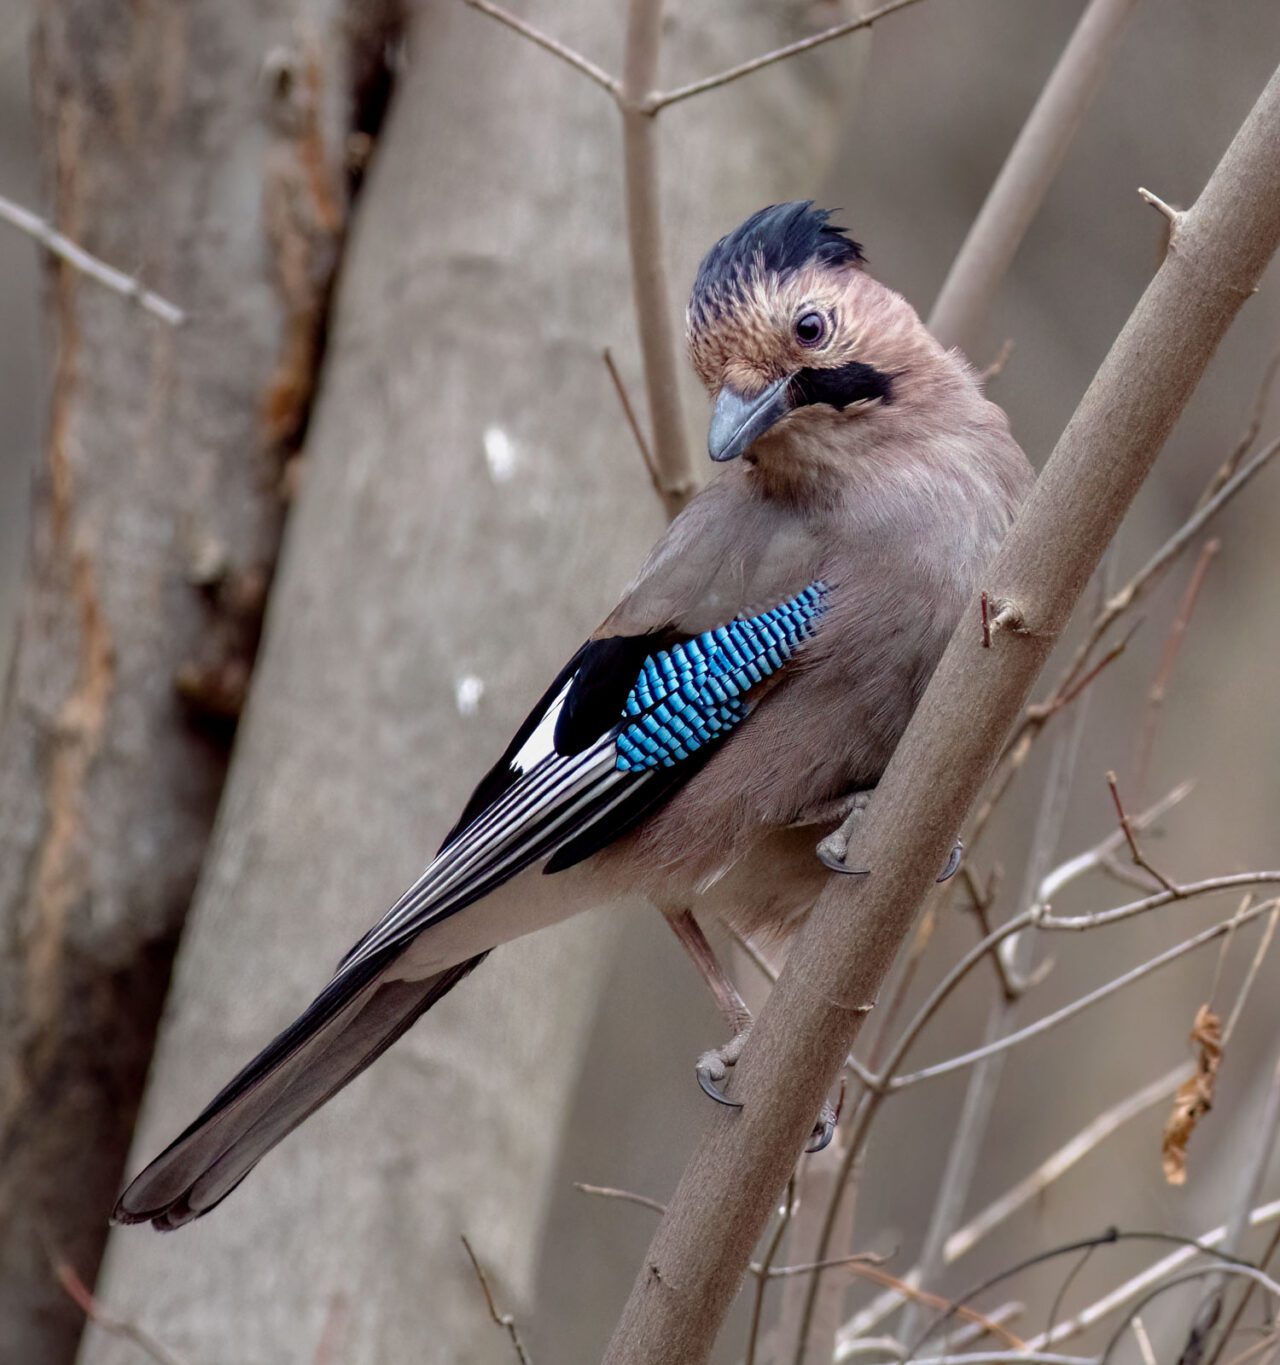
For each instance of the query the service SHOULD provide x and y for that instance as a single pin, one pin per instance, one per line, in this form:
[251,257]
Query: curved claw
[829,860]
[709,1087]
[953,862]
[823,1132]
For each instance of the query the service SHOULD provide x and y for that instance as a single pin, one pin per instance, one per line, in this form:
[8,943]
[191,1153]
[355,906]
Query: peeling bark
[156,511]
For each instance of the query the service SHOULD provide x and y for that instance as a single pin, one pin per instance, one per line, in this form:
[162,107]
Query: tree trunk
[155,522]
[471,506]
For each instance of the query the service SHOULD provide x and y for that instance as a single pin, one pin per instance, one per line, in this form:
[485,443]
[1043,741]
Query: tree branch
[843,952]
[549,44]
[1026,175]
[56,244]
[659,101]
[674,471]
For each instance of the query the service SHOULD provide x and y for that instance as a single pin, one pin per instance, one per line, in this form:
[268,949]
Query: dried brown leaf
[1195,1095]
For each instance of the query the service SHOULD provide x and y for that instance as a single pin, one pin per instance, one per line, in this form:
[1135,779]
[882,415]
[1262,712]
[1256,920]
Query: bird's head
[786,328]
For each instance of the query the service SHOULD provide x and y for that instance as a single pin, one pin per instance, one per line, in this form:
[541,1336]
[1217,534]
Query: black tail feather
[348,1026]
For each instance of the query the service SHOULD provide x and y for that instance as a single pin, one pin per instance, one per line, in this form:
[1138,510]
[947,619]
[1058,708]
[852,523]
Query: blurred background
[456,421]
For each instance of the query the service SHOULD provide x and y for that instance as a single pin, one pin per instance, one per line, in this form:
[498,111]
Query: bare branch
[1250,434]
[1252,1174]
[124,1328]
[1135,852]
[1133,1288]
[629,412]
[675,478]
[1029,170]
[763,1271]
[1144,1341]
[1169,657]
[1078,1006]
[1154,568]
[661,100]
[56,244]
[1070,1154]
[627,1196]
[843,951]
[503,1320]
[574,59]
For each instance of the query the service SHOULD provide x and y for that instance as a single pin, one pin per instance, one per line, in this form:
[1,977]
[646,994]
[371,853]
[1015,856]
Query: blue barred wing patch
[693,693]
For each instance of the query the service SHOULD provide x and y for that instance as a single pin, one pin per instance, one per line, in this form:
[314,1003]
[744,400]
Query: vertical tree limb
[1217,252]
[154,524]
[1024,179]
[651,291]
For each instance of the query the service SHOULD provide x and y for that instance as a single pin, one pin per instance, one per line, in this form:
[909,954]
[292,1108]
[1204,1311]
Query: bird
[746,693]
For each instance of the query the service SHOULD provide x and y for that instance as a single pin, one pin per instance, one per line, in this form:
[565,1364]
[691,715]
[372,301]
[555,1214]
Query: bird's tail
[347,1026]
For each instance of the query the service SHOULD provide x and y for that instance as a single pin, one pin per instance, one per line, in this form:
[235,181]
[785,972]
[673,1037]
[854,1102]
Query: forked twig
[1135,852]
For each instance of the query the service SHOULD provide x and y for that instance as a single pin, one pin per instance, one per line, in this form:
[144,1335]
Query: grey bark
[1217,252]
[471,506]
[167,154]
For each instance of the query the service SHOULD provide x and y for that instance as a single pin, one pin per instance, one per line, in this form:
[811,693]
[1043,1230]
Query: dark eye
[811,329]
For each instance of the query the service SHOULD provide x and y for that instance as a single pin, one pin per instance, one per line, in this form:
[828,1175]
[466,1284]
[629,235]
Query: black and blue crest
[777,240]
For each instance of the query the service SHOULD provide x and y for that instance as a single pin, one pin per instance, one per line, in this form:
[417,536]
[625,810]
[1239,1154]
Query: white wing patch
[542,742]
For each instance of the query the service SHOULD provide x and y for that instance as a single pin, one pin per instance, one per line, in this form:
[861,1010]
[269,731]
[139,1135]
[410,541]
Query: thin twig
[574,59]
[632,420]
[124,1328]
[1037,917]
[1264,943]
[1138,1284]
[1249,435]
[1233,1268]
[56,244]
[661,100]
[1144,1341]
[503,1320]
[1067,1156]
[1151,572]
[627,1196]
[1233,1321]
[762,1271]
[1036,715]
[1253,1172]
[1140,859]
[1099,856]
[1082,1003]
[1070,1154]
[995,368]
[1064,1288]
[835,1263]
[1168,658]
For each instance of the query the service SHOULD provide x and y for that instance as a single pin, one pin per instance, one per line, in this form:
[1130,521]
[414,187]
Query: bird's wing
[628,720]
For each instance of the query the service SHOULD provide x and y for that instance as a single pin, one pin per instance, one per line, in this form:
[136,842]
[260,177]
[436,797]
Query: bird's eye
[811,329]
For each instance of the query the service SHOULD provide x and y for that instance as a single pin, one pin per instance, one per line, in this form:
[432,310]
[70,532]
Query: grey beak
[737,422]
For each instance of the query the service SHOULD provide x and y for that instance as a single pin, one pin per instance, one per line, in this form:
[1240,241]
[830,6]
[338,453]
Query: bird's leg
[713,1066]
[834,848]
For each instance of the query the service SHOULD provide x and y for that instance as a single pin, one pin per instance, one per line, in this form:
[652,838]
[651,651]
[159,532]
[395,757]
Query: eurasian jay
[745,693]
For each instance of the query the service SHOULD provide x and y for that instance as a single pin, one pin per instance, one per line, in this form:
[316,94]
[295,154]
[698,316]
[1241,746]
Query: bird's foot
[825,1128]
[713,1068]
[834,848]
